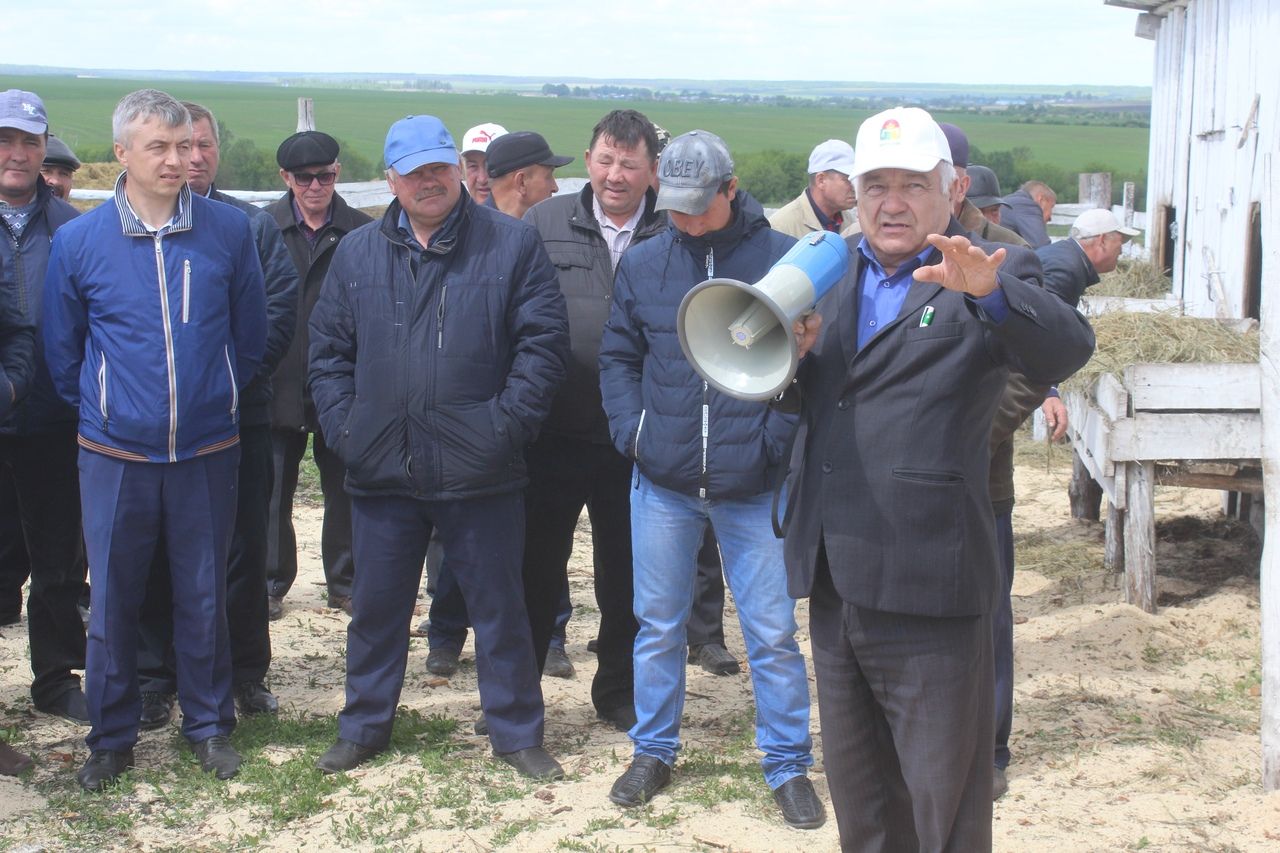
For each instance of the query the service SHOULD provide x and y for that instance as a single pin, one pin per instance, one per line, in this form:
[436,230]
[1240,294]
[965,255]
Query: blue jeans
[666,533]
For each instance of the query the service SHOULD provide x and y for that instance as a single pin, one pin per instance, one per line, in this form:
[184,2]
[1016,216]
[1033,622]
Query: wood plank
[1085,495]
[1140,537]
[1193,387]
[1096,306]
[1157,435]
[1111,397]
[1113,549]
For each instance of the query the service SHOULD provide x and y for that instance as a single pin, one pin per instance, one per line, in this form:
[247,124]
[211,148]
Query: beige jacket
[798,218]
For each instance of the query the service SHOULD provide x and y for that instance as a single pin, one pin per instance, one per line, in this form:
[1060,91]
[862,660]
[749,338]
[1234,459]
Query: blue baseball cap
[24,111]
[415,141]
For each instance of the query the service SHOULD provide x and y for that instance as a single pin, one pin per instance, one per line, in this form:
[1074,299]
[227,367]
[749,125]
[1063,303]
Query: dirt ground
[1131,731]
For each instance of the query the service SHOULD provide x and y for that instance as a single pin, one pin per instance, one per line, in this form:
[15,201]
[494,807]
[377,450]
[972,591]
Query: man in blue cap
[448,318]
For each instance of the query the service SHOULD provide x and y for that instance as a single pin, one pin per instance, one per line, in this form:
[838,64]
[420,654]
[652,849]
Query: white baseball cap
[833,154]
[900,138]
[479,137]
[1092,223]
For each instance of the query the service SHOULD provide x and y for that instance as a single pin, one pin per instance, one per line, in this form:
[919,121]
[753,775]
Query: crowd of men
[475,368]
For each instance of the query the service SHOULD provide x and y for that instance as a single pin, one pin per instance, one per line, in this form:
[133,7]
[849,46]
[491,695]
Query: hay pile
[97,176]
[1134,280]
[1125,339]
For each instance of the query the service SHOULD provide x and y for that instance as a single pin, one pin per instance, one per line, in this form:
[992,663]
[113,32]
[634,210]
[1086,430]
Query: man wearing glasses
[313,219]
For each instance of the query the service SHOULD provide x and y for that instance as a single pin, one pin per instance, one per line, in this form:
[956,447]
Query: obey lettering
[681,168]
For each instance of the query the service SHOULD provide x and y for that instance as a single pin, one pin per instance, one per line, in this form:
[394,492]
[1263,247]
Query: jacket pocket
[928,531]
[635,444]
[102,390]
[235,389]
[186,291]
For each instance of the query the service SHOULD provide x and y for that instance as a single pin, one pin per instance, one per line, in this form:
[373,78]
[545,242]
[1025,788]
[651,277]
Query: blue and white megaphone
[738,336]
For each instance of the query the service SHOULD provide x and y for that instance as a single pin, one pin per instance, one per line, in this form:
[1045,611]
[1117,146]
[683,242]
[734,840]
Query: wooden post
[306,114]
[1269,375]
[1095,189]
[1130,190]
[1084,493]
[1140,535]
[1113,549]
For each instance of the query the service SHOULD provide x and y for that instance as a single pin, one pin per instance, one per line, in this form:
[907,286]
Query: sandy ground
[1131,731]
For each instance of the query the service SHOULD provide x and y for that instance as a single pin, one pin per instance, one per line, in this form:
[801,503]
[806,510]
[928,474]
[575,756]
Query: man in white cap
[889,529]
[475,147]
[1091,249]
[826,204]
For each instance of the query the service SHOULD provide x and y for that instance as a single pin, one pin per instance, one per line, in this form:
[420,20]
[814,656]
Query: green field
[80,112]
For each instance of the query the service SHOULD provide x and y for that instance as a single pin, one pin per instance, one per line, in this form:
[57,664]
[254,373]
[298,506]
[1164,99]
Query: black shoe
[104,767]
[275,607]
[217,756]
[645,777]
[12,762]
[622,718]
[421,629]
[10,618]
[558,664]
[340,602]
[715,659]
[69,706]
[344,755]
[253,697]
[157,708]
[442,661]
[999,784]
[481,725]
[534,762]
[800,805]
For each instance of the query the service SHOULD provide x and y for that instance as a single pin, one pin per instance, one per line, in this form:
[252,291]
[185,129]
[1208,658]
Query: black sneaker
[157,709]
[558,664]
[715,659]
[275,607]
[800,805]
[645,777]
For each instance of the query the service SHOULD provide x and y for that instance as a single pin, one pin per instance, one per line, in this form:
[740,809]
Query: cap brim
[1128,232]
[417,159]
[34,127]
[872,162]
[693,201]
[555,161]
[987,201]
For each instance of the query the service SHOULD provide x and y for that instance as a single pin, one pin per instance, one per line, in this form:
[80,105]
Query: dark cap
[513,151]
[692,168]
[984,187]
[959,144]
[56,153]
[308,148]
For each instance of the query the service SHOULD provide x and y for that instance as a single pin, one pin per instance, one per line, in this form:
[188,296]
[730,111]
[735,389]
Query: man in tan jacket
[827,203]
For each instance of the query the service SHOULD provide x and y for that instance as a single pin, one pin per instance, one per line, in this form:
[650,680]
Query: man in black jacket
[573,462]
[1092,248]
[447,318]
[247,559]
[313,219]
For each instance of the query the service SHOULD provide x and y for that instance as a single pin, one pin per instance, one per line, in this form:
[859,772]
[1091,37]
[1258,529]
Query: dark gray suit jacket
[892,463]
[1067,270]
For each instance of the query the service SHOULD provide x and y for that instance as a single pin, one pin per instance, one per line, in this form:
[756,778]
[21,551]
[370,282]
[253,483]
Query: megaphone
[737,336]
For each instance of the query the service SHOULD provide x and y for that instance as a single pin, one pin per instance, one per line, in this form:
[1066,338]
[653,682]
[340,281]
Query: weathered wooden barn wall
[1215,113]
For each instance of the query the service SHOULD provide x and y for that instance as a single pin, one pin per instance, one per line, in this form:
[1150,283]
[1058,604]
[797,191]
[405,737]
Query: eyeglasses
[304,179]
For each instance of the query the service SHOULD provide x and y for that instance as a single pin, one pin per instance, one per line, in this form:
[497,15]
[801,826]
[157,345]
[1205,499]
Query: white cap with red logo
[900,138]
[479,137]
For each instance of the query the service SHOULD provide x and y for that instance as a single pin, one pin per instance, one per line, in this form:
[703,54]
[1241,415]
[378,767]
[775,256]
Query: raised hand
[964,266]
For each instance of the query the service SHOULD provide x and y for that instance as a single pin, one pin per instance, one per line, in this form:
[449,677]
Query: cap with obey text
[692,167]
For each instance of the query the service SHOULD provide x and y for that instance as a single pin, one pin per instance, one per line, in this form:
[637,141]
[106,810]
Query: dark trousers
[129,509]
[15,567]
[447,619]
[246,582]
[287,449]
[483,538]
[566,474]
[706,618]
[1002,635]
[905,705]
[43,492]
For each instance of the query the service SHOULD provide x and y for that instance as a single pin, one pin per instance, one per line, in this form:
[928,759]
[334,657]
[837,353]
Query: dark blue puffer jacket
[431,370]
[655,401]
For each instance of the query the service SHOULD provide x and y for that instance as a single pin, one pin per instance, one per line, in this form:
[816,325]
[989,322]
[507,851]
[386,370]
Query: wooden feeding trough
[1194,425]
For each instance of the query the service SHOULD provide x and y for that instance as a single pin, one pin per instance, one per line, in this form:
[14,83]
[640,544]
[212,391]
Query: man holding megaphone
[701,457]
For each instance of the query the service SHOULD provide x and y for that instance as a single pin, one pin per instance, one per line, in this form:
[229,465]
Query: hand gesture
[964,267]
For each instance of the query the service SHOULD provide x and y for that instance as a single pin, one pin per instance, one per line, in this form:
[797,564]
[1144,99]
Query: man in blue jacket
[701,457]
[437,345]
[155,318]
[39,494]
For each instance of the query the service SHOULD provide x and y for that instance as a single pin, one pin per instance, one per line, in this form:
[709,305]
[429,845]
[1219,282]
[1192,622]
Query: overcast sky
[988,41]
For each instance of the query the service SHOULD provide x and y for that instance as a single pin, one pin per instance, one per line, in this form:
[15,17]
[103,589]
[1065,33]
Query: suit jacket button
[827,467]
[843,404]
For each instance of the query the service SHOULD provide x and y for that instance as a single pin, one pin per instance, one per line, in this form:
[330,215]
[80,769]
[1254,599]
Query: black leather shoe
[558,664]
[715,659]
[800,805]
[217,757]
[340,602]
[645,777]
[157,708]
[999,784]
[593,646]
[481,725]
[534,762]
[253,697]
[104,767]
[621,718]
[275,607]
[344,755]
[442,661]
[69,706]
[12,762]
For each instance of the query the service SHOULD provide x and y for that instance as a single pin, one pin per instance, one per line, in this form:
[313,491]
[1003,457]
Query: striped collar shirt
[616,237]
[132,224]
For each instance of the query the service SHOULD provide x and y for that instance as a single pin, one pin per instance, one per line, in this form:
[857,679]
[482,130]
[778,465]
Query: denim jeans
[666,533]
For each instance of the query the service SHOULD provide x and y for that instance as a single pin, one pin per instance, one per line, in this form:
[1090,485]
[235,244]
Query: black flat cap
[56,153]
[513,151]
[308,148]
